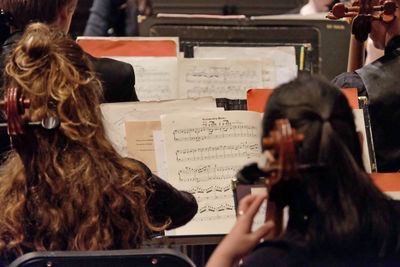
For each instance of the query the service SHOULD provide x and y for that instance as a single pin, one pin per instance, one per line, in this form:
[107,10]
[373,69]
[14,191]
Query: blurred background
[217,7]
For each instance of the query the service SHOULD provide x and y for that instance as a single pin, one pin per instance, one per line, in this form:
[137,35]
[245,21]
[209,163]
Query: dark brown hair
[24,12]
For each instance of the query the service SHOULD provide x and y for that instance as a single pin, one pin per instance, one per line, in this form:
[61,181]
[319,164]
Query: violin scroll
[14,105]
[282,142]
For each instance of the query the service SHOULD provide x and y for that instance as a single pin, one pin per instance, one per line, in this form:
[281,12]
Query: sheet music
[284,74]
[139,140]
[204,151]
[161,161]
[360,127]
[229,78]
[116,114]
[393,194]
[284,58]
[155,77]
[259,218]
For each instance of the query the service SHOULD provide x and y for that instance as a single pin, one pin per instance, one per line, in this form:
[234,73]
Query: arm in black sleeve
[118,79]
[350,80]
[166,202]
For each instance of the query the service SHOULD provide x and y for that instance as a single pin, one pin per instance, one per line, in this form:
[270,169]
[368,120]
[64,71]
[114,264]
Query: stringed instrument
[280,165]
[14,105]
[361,14]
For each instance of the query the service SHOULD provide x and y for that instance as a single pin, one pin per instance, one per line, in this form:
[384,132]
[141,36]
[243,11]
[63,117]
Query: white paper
[204,151]
[161,161]
[282,55]
[155,77]
[259,218]
[285,74]
[115,115]
[360,127]
[226,78]
[393,194]
[284,58]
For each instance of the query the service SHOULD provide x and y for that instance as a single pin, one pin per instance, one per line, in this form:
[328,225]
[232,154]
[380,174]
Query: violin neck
[356,54]
[275,215]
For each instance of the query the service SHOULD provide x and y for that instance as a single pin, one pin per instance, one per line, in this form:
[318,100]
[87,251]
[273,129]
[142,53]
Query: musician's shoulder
[349,80]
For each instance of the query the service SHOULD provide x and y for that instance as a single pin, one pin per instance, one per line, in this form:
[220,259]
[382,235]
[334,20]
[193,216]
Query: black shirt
[380,82]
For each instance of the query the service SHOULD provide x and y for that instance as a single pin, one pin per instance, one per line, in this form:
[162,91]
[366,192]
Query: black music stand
[326,42]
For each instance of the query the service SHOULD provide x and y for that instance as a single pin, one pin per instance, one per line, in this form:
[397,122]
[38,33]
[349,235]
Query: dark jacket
[380,81]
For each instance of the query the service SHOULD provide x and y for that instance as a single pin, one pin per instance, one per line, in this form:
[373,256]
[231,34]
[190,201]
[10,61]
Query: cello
[280,149]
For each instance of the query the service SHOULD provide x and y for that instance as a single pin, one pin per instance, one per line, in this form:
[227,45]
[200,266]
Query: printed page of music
[115,115]
[204,151]
[224,77]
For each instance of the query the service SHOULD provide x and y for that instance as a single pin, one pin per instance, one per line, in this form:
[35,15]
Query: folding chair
[111,258]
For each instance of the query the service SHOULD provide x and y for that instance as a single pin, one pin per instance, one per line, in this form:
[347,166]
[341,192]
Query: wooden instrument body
[360,15]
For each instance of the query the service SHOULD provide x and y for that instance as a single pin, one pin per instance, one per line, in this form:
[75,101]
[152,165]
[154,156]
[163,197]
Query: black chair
[111,258]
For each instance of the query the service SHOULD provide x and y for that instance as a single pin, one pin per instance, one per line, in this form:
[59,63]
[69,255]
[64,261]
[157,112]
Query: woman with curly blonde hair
[67,188]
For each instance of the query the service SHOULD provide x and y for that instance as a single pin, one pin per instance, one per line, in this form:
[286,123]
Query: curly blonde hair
[66,189]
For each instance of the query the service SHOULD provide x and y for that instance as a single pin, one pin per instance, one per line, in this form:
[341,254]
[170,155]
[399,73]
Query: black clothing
[291,250]
[118,79]
[168,202]
[380,81]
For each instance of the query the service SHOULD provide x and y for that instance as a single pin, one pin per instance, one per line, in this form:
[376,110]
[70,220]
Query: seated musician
[118,78]
[67,188]
[337,215]
[380,81]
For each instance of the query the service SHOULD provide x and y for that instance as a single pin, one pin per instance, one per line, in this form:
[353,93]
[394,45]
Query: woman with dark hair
[336,214]
[67,188]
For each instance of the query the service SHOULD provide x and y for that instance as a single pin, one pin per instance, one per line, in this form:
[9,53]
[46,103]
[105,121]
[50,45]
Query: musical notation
[204,152]
[219,74]
[209,189]
[214,132]
[216,208]
[214,217]
[215,212]
[243,149]
[207,173]
[156,77]
[219,78]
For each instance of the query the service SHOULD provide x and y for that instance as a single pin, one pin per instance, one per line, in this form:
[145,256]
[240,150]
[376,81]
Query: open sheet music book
[161,78]
[199,150]
[220,72]
[204,151]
